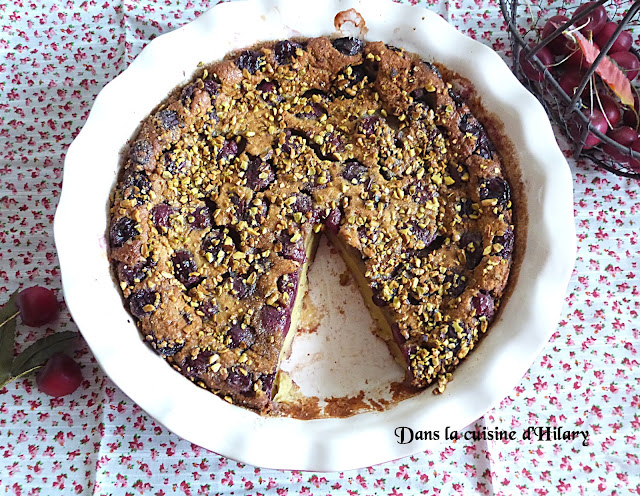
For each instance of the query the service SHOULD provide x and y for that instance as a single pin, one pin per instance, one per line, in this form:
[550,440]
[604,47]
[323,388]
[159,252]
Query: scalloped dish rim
[482,381]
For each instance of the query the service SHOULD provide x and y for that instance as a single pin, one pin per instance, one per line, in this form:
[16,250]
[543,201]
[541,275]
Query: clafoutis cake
[231,180]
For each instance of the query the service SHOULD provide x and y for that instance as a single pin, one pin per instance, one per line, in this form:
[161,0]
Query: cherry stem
[9,319]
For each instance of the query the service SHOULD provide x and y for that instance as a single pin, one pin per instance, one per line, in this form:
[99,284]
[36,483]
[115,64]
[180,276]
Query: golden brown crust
[229,177]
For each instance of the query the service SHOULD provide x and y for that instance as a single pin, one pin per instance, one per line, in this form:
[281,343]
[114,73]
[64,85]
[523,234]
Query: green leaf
[8,313]
[40,351]
[9,310]
[11,379]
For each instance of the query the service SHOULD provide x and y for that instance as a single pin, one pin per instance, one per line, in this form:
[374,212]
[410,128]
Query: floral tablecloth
[55,56]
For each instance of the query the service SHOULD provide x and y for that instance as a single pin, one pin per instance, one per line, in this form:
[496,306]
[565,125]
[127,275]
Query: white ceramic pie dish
[486,377]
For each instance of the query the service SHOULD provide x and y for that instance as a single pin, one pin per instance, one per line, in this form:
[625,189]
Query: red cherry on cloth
[37,306]
[60,376]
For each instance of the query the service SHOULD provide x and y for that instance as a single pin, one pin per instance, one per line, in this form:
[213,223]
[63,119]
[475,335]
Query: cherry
[288,283]
[250,60]
[633,163]
[273,320]
[259,174]
[593,22]
[160,215]
[201,217]
[495,188]
[238,381]
[458,283]
[628,62]
[622,43]
[184,267]
[37,306]
[354,172]
[623,135]
[60,376]
[285,51]
[630,117]
[267,382]
[531,70]
[209,309]
[122,231]
[240,334]
[141,152]
[559,45]
[196,365]
[597,120]
[292,250]
[332,222]
[468,124]
[168,119]
[353,75]
[576,59]
[570,81]
[484,305]
[471,243]
[315,111]
[424,234]
[266,86]
[506,241]
[138,185]
[368,124]
[610,109]
[348,45]
[212,87]
[228,150]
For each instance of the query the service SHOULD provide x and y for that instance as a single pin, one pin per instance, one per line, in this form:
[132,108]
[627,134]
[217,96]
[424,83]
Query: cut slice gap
[344,358]
[383,320]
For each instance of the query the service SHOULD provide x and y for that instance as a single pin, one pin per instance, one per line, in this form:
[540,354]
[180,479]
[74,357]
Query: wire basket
[568,112]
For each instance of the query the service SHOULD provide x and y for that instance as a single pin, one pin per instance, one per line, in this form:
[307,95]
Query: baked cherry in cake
[232,179]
